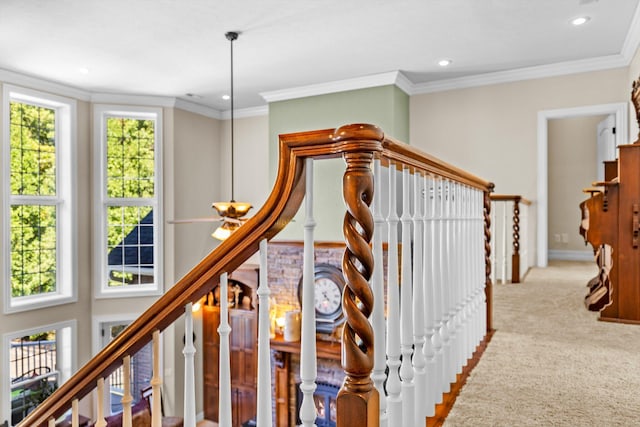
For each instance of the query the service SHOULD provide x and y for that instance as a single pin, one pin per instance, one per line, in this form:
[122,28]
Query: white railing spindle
[189,352]
[100,421]
[494,262]
[75,413]
[428,409]
[224,402]
[127,398]
[446,286]
[418,300]
[406,308]
[394,401]
[503,263]
[308,362]
[264,401]
[377,284]
[437,252]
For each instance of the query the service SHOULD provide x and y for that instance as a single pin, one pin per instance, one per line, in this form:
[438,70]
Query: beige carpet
[551,362]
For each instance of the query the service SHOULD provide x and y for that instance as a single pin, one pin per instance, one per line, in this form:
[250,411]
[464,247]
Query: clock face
[327,289]
[327,296]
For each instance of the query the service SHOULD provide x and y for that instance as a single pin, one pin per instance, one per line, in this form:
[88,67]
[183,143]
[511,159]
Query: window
[128,240]
[36,363]
[38,174]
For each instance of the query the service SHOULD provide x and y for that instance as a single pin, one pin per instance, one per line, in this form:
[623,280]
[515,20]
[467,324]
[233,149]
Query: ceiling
[170,48]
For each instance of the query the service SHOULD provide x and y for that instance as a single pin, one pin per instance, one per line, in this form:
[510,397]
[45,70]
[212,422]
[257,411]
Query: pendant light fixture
[231,211]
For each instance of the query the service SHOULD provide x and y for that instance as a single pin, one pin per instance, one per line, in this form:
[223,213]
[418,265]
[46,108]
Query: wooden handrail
[282,204]
[510,198]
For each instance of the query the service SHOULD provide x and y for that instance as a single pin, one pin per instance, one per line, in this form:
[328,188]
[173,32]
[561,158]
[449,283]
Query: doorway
[619,112]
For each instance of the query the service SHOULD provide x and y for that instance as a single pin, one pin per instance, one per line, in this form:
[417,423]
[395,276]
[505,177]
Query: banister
[281,206]
[510,198]
[278,210]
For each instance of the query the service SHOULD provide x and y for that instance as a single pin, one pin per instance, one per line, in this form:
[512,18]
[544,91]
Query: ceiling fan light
[225,230]
[232,209]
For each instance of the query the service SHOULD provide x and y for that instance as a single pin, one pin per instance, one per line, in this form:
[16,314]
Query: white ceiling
[171,47]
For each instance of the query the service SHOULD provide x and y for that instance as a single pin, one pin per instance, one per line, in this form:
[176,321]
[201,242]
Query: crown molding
[37,83]
[246,112]
[528,73]
[125,99]
[203,110]
[632,41]
[364,82]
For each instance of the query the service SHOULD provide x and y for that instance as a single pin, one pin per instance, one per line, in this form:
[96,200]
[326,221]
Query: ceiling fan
[232,213]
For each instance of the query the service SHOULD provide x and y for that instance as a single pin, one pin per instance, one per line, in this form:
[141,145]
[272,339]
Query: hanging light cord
[231,36]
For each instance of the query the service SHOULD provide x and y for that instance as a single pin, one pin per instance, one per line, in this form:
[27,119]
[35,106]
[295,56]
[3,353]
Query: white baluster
[224,400]
[504,243]
[428,409]
[308,362]
[406,308]
[437,252]
[493,241]
[51,422]
[446,287]
[100,421]
[394,401]
[377,284]
[189,352]
[75,413]
[471,241]
[127,398]
[418,300]
[456,282]
[264,418]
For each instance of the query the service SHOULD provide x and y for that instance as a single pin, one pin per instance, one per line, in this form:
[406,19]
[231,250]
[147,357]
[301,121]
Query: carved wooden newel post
[358,400]
[515,257]
[488,290]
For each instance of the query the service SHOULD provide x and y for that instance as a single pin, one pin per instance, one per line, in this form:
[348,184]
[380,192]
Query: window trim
[100,113]
[67,342]
[65,200]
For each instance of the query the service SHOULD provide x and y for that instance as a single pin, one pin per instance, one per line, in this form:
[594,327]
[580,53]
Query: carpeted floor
[551,362]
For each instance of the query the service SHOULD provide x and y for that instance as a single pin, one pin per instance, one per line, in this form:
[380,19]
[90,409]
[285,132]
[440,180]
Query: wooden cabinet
[243,342]
[611,218]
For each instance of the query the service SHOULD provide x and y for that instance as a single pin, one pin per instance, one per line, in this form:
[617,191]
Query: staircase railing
[513,251]
[438,297]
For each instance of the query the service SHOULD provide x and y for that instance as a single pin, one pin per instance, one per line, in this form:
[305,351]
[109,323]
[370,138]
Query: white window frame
[100,114]
[66,355]
[64,200]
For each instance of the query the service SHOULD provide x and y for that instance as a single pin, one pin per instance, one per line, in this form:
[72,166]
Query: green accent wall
[384,106]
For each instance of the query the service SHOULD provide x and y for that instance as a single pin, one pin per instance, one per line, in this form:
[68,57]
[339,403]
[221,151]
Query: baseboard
[561,255]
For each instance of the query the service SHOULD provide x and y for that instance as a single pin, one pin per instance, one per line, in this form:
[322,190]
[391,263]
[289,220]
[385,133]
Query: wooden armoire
[243,319]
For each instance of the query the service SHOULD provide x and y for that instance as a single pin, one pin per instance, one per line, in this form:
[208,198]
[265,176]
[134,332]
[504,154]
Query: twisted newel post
[515,257]
[358,400]
[487,257]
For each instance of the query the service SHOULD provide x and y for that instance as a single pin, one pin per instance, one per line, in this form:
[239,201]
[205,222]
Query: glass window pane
[33,249]
[33,150]
[130,157]
[34,374]
[130,245]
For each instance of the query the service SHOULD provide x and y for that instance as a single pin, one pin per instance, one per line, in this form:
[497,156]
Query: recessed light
[444,62]
[83,70]
[581,20]
[226,97]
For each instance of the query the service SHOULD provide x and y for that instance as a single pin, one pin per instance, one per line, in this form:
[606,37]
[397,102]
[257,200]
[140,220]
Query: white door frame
[620,110]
